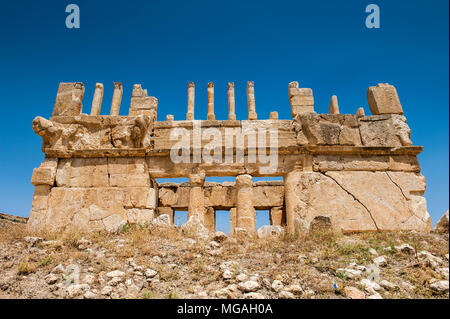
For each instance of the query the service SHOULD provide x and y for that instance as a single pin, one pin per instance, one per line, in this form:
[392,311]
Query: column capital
[197,179]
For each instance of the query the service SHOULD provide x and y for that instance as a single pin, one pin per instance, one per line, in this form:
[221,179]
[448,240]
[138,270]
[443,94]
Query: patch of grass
[26,268]
[172,295]
[341,275]
[147,294]
[46,261]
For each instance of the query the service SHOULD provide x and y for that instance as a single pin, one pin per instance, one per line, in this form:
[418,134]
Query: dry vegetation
[187,268]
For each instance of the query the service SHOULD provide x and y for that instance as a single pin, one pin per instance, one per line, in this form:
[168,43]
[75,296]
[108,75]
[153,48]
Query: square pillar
[246,214]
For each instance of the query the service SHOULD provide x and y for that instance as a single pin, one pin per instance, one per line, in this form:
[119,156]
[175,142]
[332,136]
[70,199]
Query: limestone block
[409,183]
[406,163]
[137,197]
[82,172]
[43,176]
[309,195]
[300,99]
[270,232]
[140,216]
[98,208]
[265,197]
[167,211]
[128,172]
[329,129]
[167,197]
[219,196]
[330,162]
[383,99]
[39,208]
[385,199]
[69,100]
[141,103]
[113,223]
[385,130]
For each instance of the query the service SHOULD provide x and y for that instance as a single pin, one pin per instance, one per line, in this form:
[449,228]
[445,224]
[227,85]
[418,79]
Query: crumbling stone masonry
[358,173]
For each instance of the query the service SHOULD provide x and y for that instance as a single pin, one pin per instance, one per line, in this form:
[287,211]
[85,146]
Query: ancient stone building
[355,172]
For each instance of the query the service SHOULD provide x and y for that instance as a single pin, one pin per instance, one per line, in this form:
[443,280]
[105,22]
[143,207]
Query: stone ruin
[352,172]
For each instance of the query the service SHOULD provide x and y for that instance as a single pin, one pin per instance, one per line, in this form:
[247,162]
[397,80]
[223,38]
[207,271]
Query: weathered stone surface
[277,216]
[82,172]
[128,172]
[69,100]
[354,293]
[43,176]
[167,211]
[140,216]
[328,129]
[143,104]
[300,99]
[116,99]
[442,224]
[385,200]
[163,220]
[196,206]
[383,99]
[385,130]
[333,107]
[194,227]
[210,219]
[89,208]
[245,211]
[97,99]
[270,231]
[353,200]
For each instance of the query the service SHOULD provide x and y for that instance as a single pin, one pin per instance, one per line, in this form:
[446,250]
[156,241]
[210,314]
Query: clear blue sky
[164,44]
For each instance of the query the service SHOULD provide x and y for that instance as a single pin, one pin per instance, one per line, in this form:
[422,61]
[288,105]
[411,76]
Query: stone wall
[358,172]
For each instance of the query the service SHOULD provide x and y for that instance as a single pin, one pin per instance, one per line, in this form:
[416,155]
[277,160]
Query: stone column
[196,197]
[360,112]
[251,101]
[245,211]
[293,203]
[117,99]
[274,115]
[191,101]
[210,93]
[97,100]
[333,107]
[231,102]
[233,221]
[210,219]
[276,216]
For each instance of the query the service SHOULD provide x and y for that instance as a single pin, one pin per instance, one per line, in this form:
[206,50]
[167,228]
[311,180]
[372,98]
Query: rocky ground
[162,262]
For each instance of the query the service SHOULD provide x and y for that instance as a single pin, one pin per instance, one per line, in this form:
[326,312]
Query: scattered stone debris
[148,262]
